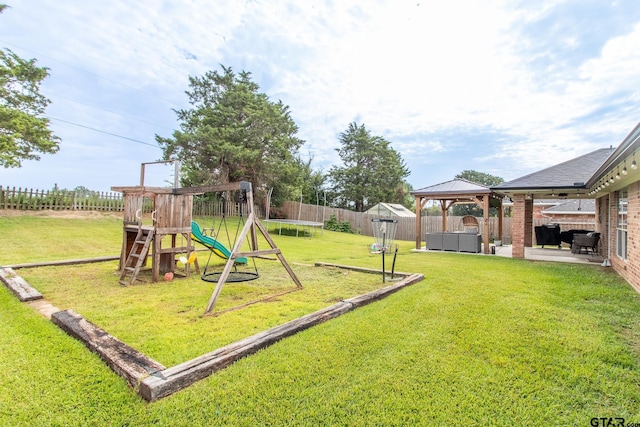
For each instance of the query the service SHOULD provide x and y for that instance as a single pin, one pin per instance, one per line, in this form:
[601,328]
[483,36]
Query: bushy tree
[309,183]
[24,132]
[481,178]
[233,132]
[372,171]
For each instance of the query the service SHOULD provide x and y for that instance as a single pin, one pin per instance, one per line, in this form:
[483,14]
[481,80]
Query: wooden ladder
[139,251]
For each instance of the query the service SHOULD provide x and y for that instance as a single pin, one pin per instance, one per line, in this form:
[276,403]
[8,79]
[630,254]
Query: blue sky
[502,87]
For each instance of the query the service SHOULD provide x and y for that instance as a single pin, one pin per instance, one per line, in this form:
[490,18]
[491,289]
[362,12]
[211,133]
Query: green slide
[212,244]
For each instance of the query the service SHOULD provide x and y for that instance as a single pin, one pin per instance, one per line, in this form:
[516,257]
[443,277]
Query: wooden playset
[171,217]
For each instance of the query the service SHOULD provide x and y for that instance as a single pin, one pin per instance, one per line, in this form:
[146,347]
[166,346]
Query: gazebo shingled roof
[455,187]
[458,191]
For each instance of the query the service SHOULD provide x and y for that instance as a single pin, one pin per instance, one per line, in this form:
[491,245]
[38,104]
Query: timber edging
[124,360]
[151,379]
[65,262]
[16,284]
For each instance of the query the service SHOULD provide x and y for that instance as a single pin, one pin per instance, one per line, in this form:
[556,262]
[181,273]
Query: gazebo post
[500,219]
[485,231]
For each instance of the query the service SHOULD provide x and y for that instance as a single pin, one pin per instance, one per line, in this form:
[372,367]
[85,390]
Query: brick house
[611,178]
[574,211]
[558,210]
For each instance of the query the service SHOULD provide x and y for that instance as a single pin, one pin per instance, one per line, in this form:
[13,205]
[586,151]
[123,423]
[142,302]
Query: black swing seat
[234,276]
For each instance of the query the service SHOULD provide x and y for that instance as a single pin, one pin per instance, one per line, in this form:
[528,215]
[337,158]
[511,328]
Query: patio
[552,254]
[540,254]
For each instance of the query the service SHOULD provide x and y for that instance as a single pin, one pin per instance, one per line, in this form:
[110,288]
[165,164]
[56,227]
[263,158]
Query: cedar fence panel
[406,228]
[361,223]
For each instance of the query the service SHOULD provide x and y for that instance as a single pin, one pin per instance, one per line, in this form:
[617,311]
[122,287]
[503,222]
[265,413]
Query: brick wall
[602,224]
[629,269]
[537,211]
[587,219]
[521,225]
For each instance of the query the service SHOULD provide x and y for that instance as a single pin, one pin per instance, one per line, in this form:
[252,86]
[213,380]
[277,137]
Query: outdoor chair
[567,236]
[588,242]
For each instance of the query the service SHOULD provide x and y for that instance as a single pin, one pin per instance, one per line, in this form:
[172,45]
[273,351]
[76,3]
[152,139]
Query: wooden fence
[30,199]
[361,223]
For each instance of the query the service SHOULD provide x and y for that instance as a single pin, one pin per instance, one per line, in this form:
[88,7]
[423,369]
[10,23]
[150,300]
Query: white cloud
[422,74]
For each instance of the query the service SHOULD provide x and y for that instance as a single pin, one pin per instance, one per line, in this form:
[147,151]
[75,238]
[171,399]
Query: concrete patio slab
[539,254]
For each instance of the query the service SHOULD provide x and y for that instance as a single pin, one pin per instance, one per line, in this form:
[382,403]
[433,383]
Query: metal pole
[393,264]
[384,237]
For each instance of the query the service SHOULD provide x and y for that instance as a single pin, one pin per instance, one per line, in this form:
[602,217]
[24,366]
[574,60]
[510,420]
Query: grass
[482,340]
[164,320]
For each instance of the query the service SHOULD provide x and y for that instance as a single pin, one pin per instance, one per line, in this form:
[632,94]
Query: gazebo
[459,191]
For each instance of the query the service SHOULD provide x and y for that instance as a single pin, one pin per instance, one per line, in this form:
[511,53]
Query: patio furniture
[469,242]
[548,234]
[450,242]
[434,241]
[588,242]
[567,236]
[456,242]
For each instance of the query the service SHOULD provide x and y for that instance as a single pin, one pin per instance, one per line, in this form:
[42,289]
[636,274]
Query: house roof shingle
[574,206]
[571,174]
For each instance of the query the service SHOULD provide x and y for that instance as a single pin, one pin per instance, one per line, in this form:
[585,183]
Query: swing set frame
[249,232]
[209,274]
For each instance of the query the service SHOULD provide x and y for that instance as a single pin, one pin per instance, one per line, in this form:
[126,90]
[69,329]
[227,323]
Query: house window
[621,227]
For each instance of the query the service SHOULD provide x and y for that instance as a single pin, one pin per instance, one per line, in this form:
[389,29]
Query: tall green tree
[372,171]
[233,132]
[24,131]
[481,178]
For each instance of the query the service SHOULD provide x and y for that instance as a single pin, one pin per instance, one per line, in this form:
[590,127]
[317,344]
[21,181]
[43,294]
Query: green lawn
[481,341]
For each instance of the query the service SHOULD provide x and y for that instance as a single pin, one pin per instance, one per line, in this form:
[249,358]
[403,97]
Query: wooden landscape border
[20,288]
[153,381]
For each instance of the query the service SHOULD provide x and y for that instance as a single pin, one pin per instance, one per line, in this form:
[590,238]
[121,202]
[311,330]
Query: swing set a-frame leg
[269,240]
[223,278]
[235,253]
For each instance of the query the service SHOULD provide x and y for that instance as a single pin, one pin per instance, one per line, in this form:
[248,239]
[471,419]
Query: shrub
[333,225]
